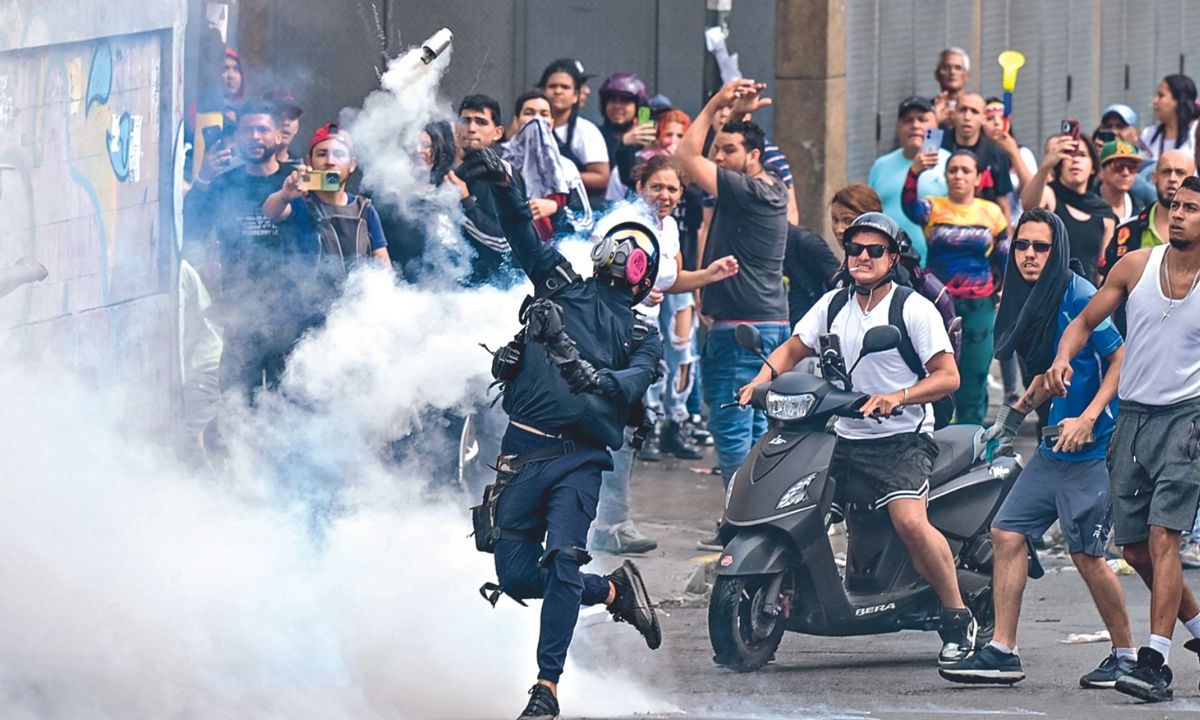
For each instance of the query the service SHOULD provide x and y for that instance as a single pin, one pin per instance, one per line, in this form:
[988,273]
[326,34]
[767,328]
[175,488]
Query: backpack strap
[896,318]
[836,303]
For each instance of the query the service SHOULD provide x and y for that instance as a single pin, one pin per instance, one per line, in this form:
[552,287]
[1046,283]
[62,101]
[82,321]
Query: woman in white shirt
[1175,109]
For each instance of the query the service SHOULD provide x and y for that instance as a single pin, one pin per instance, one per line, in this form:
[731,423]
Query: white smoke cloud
[309,579]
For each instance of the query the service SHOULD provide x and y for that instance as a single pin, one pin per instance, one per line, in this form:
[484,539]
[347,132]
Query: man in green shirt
[1149,227]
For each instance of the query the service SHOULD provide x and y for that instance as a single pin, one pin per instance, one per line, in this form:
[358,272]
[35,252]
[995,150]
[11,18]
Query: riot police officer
[571,380]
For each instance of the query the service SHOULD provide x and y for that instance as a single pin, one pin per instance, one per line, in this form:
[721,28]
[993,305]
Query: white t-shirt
[668,269]
[884,372]
[587,144]
[1188,145]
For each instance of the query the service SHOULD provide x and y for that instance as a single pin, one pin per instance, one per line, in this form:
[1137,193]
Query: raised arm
[701,170]
[1121,281]
[916,208]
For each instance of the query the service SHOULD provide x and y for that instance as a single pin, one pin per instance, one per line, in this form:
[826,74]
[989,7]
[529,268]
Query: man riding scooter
[885,458]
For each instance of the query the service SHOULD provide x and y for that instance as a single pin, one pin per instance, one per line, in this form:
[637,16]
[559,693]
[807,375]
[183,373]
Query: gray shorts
[1073,493]
[1152,461]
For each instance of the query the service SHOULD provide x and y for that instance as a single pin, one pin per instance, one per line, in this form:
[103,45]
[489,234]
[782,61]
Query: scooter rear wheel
[742,638]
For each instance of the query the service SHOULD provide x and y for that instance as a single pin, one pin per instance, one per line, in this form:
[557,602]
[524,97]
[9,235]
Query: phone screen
[933,140]
[644,114]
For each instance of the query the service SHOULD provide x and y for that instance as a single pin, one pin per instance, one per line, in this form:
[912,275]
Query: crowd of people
[695,223]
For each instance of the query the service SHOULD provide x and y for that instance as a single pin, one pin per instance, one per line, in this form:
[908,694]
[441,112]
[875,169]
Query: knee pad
[564,564]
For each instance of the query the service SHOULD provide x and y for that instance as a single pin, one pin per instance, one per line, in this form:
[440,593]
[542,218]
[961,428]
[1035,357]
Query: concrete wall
[90,110]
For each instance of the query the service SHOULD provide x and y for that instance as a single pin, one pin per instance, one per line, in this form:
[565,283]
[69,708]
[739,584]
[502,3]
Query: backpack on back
[943,409]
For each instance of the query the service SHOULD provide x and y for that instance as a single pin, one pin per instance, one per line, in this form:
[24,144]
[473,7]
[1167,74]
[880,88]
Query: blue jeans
[679,359]
[613,508]
[724,368]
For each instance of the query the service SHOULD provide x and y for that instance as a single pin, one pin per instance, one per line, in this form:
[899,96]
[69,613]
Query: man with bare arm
[1154,454]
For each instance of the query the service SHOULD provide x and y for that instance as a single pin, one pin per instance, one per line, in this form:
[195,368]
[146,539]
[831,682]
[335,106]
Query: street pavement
[889,676]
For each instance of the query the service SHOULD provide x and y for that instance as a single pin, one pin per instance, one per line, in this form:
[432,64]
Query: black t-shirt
[230,212]
[749,223]
[809,266]
[994,180]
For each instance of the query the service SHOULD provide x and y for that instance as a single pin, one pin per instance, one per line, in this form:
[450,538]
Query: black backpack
[943,409]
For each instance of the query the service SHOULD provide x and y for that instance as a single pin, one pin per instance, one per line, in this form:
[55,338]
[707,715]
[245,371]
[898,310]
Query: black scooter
[777,570]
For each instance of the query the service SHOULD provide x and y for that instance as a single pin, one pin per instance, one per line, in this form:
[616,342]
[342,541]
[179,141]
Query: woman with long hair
[1175,109]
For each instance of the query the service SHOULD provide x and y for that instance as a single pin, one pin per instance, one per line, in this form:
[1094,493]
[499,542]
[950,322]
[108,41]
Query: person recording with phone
[628,128]
[917,130]
[1089,220]
[1066,480]
[884,459]
[317,211]
[239,252]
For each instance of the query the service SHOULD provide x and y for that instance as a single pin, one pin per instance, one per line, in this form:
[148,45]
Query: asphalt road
[889,676]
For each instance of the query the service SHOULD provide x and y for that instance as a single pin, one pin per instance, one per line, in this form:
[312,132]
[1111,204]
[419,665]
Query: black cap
[915,102]
[570,66]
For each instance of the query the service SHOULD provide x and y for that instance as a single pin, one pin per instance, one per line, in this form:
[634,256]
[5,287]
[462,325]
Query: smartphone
[645,115]
[933,140]
[1051,433]
[321,180]
[213,135]
[1070,126]
[1106,136]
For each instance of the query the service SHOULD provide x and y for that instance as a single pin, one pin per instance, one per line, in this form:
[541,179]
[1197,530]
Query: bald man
[1149,227]
[994,181]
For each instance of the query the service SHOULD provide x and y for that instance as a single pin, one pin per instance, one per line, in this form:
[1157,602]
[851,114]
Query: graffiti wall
[87,138]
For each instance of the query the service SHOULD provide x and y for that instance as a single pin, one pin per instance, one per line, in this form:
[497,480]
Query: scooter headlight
[797,493]
[790,407]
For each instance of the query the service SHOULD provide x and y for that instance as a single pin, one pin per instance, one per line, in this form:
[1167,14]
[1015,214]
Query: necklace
[1166,264]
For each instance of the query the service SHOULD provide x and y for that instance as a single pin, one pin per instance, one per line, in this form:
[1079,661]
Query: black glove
[544,321]
[581,377]
[483,164]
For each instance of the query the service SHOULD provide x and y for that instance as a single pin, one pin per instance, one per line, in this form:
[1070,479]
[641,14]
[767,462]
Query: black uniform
[556,483]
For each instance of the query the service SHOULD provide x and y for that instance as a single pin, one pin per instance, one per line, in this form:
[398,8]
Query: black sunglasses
[854,249]
[1040,248]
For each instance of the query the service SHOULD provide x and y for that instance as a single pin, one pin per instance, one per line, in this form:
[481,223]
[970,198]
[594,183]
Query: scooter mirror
[749,338]
[878,339]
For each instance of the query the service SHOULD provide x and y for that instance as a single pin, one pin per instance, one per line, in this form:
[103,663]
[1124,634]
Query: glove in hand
[581,377]
[483,164]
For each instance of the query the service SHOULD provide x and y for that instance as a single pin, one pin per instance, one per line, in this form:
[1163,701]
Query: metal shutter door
[1025,35]
[862,85]
[1112,53]
[897,30]
[1139,58]
[1083,30]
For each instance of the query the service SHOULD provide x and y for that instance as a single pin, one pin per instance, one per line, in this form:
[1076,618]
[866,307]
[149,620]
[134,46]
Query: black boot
[650,451]
[632,604]
[678,443]
[542,704]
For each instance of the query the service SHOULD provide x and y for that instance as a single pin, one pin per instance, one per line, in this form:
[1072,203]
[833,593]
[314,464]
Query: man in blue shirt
[1067,478]
[889,171]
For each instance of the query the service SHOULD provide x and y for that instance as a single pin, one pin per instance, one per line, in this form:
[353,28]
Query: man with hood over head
[1067,478]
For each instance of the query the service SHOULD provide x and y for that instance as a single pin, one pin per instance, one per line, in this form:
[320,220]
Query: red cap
[330,131]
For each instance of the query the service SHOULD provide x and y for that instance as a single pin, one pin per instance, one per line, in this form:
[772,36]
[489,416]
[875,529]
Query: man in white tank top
[1154,454]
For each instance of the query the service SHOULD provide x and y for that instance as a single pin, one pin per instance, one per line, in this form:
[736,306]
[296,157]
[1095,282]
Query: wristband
[905,400]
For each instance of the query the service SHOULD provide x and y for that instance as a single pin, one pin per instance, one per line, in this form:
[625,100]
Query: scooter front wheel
[743,637]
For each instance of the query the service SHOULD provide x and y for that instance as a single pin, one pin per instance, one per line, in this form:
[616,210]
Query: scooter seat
[956,452]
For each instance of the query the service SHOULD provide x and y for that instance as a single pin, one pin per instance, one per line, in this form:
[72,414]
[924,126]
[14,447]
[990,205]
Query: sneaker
[1150,679]
[1106,673]
[677,442]
[649,451]
[542,704]
[632,604]
[1189,554]
[958,630]
[988,666]
[699,430]
[622,539]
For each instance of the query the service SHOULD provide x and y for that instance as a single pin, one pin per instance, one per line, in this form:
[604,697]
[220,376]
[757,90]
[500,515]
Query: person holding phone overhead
[1090,221]
[917,130]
